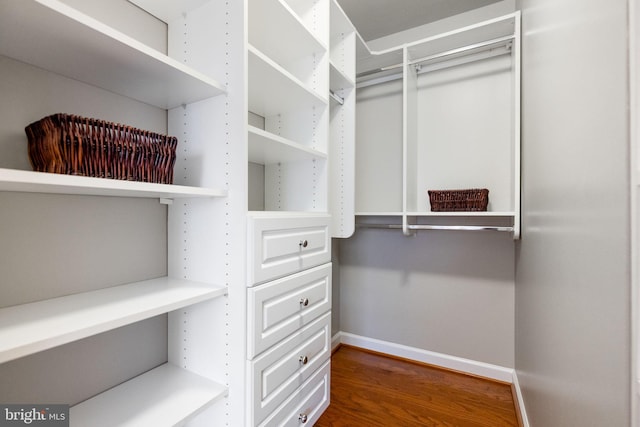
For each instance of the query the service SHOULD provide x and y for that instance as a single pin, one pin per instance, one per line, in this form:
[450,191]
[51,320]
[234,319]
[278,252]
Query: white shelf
[266,148]
[273,90]
[462,214]
[164,396]
[440,214]
[41,182]
[338,80]
[278,32]
[378,213]
[58,38]
[29,328]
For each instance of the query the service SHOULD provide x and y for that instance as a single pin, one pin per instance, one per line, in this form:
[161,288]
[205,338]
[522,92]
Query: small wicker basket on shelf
[75,145]
[475,199]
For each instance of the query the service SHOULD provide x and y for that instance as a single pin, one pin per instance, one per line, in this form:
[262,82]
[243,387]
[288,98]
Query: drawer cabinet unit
[278,372]
[289,316]
[279,308]
[281,244]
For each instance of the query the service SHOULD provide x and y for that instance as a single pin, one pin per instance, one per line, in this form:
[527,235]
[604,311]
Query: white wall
[572,268]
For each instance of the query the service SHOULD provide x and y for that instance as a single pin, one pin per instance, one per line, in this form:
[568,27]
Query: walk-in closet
[201,201]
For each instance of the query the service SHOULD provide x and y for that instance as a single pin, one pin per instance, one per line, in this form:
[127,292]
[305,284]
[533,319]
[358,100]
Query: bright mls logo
[34,415]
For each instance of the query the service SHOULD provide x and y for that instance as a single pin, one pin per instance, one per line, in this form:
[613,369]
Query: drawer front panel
[279,308]
[279,246]
[306,405]
[280,371]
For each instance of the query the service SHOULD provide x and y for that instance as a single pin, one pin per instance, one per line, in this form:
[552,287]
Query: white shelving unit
[288,87]
[277,59]
[289,91]
[460,125]
[59,39]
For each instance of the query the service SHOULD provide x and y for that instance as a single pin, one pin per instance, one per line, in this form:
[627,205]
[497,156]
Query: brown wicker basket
[74,145]
[475,199]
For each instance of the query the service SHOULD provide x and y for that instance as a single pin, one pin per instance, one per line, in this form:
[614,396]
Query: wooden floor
[373,390]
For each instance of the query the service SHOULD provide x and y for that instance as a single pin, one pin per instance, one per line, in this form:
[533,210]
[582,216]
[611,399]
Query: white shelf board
[168,10]
[42,182]
[273,90]
[442,214]
[378,214]
[462,214]
[267,148]
[29,328]
[338,79]
[287,214]
[164,396]
[58,38]
[276,30]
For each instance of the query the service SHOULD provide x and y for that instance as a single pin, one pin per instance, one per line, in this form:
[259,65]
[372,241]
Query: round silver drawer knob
[303,360]
[302,418]
[304,301]
[304,243]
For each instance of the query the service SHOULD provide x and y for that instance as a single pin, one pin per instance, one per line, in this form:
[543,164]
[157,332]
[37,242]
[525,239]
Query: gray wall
[442,291]
[572,267]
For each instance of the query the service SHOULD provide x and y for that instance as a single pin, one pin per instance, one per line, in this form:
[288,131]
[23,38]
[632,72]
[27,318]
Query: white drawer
[280,371]
[307,404]
[281,307]
[281,244]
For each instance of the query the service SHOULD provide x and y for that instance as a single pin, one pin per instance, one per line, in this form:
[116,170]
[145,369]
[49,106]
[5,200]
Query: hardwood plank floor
[369,389]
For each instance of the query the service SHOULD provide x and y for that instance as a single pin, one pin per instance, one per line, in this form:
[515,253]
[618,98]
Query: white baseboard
[520,403]
[473,367]
[336,341]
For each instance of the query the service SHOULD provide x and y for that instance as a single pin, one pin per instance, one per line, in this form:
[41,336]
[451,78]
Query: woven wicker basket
[475,199]
[74,145]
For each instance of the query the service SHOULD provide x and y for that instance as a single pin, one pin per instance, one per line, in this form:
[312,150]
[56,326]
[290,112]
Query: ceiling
[377,18]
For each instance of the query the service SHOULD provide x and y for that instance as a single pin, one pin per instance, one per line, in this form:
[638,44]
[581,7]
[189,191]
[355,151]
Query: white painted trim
[523,411]
[460,364]
[336,341]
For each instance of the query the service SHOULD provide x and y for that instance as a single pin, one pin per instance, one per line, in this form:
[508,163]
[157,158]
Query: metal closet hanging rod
[337,98]
[425,227]
[471,49]
[489,44]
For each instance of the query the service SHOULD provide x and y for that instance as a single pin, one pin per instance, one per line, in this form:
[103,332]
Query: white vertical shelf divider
[206,237]
[342,123]
[517,76]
